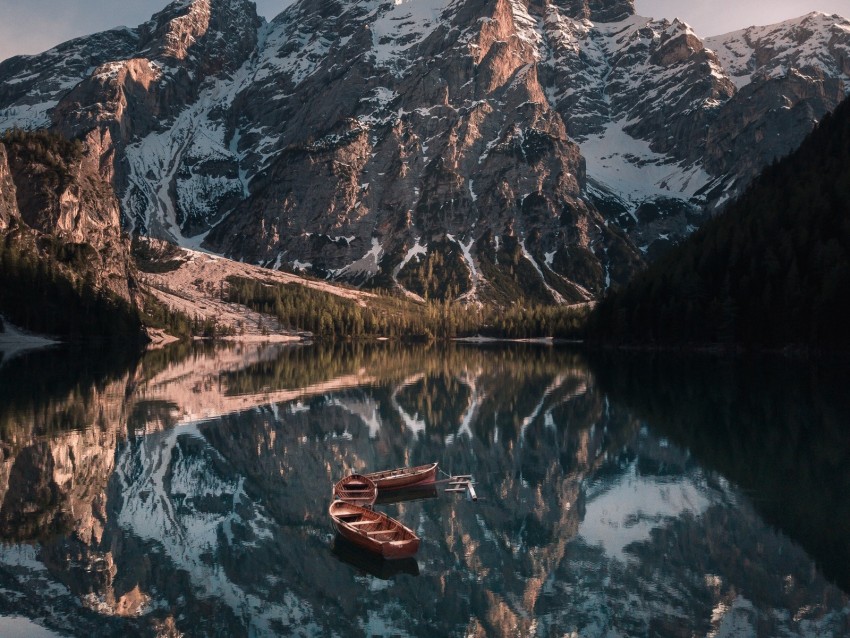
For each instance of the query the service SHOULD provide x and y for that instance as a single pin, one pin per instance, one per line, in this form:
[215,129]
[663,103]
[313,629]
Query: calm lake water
[619,495]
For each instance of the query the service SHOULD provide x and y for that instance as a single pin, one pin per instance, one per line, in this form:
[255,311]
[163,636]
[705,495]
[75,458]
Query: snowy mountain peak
[567,138]
[213,34]
[816,41]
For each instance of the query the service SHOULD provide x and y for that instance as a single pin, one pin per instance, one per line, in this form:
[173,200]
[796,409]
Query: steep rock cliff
[8,198]
[541,146]
[60,201]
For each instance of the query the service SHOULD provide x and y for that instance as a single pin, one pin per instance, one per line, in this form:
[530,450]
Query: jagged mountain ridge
[524,141]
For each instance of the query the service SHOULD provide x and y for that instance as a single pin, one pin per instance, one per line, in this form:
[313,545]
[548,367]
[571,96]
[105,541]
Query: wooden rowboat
[404,477]
[357,489]
[373,531]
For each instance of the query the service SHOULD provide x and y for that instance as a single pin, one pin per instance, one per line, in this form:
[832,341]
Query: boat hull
[404,477]
[390,551]
[373,531]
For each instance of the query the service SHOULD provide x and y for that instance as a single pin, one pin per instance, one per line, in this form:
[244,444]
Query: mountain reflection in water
[624,495]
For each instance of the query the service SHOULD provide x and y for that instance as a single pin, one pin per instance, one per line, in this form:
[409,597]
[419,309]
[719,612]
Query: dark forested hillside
[41,291]
[772,270]
[328,316]
[64,267]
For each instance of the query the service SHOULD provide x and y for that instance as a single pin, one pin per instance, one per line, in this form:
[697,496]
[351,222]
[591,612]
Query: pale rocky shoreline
[194,289]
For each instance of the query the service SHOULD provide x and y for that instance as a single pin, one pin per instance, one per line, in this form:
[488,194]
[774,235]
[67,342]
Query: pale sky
[32,26]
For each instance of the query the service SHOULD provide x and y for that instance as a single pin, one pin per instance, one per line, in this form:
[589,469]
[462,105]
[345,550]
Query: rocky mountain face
[458,148]
[8,201]
[673,126]
[56,204]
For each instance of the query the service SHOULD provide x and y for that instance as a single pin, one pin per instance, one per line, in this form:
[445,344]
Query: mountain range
[446,148]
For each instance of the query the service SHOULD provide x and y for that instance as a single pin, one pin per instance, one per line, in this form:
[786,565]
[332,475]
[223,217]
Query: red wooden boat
[357,489]
[404,477]
[373,531]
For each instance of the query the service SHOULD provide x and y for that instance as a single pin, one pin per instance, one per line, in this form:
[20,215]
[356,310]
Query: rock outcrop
[182,50]
[8,199]
[452,148]
[788,76]
[597,10]
[537,149]
[53,191]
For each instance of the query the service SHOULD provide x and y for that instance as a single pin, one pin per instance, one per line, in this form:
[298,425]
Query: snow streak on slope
[474,275]
[27,116]
[630,168]
[555,294]
[402,24]
[165,187]
[526,27]
[368,264]
[290,51]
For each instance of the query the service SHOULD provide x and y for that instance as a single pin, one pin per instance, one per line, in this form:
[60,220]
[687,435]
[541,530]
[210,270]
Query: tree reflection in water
[188,490]
[776,428]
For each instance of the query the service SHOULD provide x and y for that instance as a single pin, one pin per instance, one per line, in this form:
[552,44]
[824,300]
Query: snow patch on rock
[630,168]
